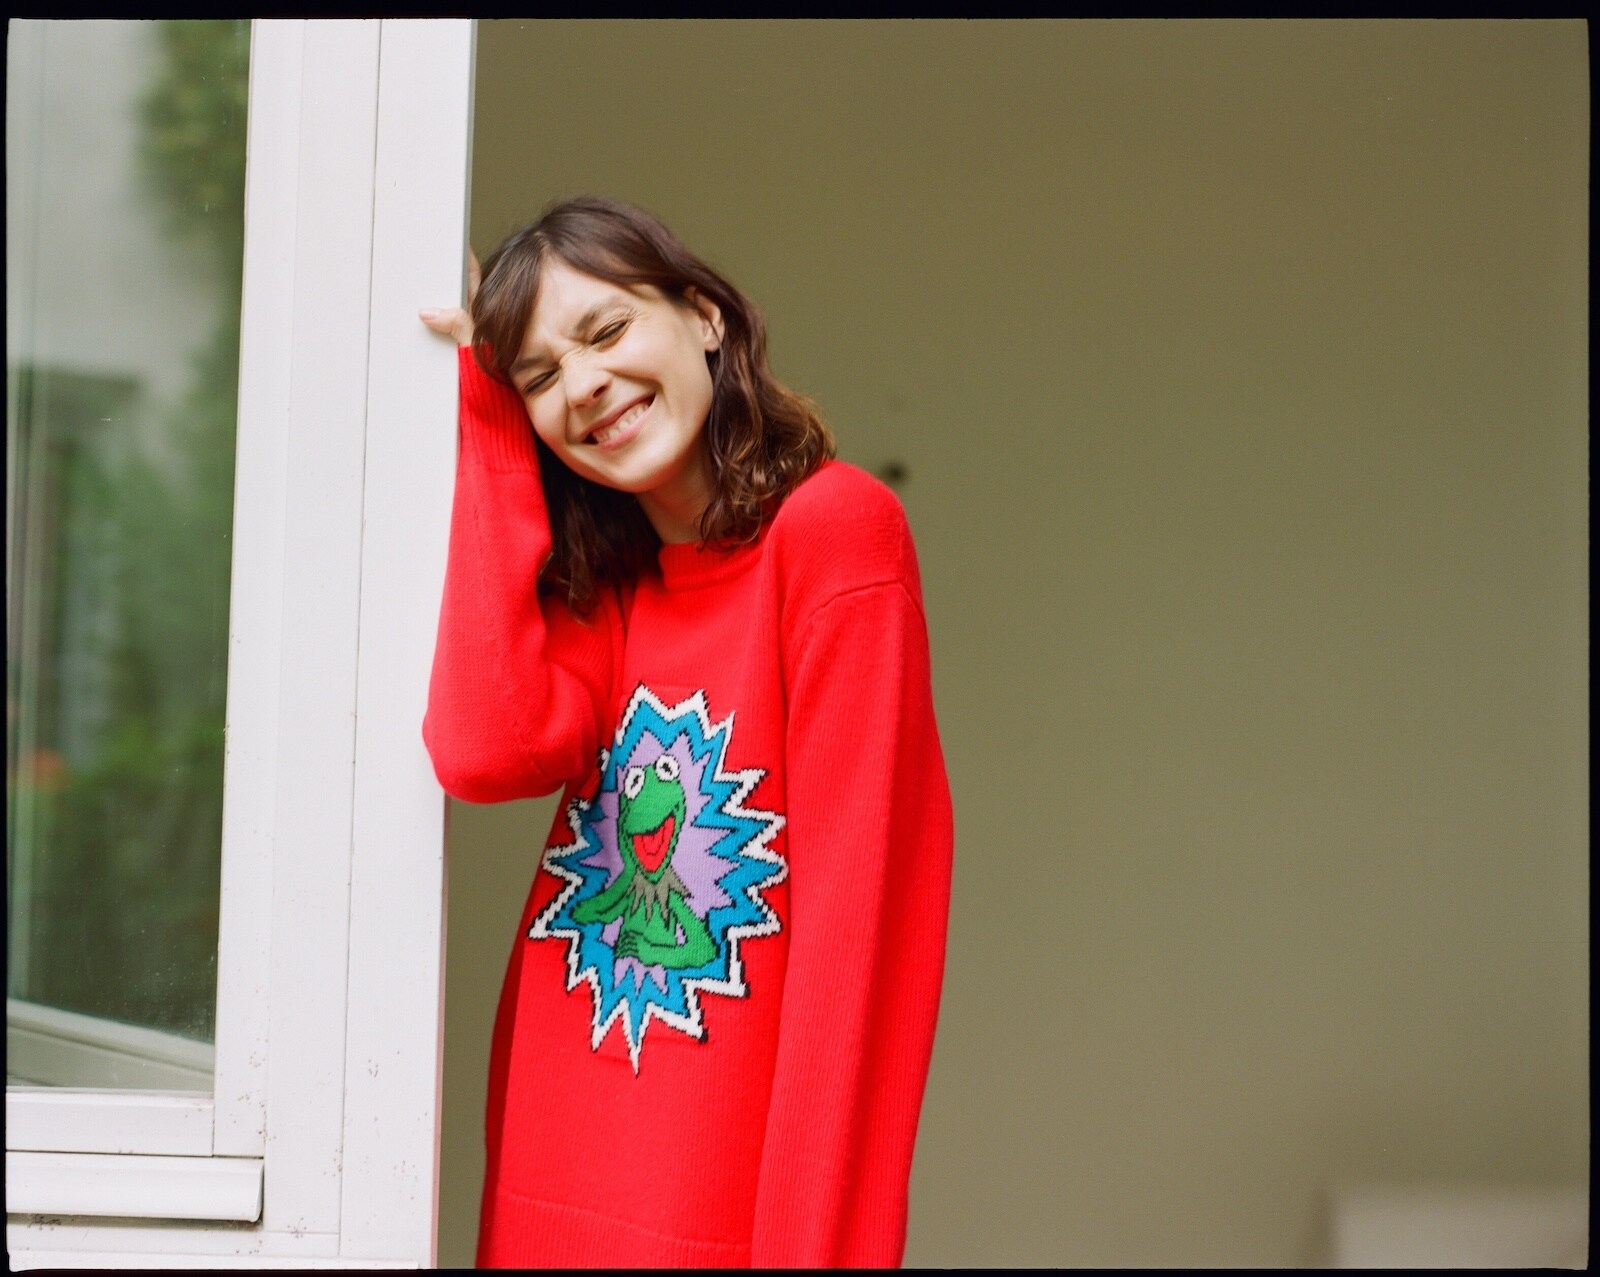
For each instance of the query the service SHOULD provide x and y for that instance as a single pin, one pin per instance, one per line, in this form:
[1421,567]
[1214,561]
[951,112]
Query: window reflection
[125,195]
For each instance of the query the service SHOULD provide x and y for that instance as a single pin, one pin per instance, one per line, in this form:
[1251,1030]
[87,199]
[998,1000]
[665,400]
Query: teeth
[627,419]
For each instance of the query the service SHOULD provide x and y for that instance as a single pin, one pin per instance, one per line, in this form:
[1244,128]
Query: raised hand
[455,322]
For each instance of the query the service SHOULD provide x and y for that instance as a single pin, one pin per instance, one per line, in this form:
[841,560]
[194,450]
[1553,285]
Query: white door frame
[322,1144]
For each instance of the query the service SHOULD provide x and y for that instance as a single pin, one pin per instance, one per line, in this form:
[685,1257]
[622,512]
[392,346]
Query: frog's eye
[634,782]
[667,767]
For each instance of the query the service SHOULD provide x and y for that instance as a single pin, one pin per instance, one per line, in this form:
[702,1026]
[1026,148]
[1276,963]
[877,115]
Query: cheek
[680,365]
[694,387]
[547,425]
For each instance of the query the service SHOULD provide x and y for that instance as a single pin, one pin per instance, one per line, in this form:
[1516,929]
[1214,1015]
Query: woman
[669,602]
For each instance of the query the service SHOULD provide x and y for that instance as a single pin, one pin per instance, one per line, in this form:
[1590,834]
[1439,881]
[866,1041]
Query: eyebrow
[586,321]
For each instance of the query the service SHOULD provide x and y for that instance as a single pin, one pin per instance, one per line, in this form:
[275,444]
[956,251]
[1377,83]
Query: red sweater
[714,1034]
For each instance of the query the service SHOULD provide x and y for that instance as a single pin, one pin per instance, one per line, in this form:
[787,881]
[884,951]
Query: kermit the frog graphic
[648,895]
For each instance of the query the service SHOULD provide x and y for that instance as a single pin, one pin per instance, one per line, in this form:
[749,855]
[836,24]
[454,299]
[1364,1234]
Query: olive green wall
[1239,372]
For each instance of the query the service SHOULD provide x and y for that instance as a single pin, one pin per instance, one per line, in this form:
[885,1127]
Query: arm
[697,948]
[870,841]
[607,905]
[519,684]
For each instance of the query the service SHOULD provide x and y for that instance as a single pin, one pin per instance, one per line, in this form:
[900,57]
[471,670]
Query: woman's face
[616,383]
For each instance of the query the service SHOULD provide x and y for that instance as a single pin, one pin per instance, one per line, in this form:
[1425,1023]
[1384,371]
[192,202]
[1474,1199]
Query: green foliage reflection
[127,832]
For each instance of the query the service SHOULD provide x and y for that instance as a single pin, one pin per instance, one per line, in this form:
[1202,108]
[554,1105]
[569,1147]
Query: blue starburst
[723,856]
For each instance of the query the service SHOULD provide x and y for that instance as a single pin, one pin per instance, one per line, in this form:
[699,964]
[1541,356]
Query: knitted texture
[713,1038]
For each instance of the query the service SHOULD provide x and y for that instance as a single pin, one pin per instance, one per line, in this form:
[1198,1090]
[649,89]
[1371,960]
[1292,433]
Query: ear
[711,328]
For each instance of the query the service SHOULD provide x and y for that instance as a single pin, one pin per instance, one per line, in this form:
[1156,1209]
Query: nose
[582,377]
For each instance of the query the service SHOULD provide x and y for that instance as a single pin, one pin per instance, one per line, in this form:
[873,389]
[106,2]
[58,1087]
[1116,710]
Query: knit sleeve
[869,845]
[519,684]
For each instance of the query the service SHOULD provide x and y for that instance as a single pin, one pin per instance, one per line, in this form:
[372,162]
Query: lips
[651,848]
[616,428]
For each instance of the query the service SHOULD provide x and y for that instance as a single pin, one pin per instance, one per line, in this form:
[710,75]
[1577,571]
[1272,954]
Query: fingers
[455,322]
[440,319]
[448,321]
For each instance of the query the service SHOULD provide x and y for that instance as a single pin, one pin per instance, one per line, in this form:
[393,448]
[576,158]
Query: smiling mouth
[618,432]
[651,847]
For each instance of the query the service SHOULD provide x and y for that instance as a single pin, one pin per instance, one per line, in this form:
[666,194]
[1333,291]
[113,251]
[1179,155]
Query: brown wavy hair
[762,438]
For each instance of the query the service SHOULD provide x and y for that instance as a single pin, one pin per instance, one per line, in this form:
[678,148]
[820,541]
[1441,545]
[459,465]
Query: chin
[629,479]
[644,473]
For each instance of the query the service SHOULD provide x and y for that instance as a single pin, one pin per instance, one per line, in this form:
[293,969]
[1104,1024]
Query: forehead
[569,300]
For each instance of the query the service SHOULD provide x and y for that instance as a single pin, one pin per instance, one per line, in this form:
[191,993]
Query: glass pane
[125,157]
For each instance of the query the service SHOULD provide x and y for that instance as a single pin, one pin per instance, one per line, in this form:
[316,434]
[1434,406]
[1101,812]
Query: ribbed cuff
[495,430]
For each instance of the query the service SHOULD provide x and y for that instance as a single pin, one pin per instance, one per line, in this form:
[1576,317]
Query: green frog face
[650,813]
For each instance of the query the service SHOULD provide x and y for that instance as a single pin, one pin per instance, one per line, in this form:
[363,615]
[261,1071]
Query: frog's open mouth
[651,848]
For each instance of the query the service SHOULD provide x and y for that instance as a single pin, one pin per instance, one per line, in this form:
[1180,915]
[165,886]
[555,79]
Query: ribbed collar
[689,566]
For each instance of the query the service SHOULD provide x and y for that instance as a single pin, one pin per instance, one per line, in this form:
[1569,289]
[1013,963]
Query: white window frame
[317,1144]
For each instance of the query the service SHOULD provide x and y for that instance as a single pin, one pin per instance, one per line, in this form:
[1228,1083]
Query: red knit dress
[714,1034]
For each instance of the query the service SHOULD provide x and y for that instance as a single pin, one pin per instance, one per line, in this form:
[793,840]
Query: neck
[674,507]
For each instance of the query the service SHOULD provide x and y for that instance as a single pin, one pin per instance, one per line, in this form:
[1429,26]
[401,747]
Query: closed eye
[605,337]
[535,384]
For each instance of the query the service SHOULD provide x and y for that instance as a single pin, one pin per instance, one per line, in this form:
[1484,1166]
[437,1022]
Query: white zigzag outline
[758,847]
